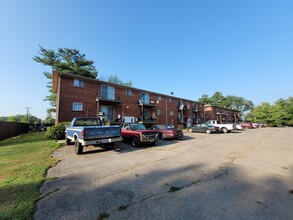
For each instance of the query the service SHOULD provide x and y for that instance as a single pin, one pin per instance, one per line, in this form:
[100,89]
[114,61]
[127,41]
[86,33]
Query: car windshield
[135,127]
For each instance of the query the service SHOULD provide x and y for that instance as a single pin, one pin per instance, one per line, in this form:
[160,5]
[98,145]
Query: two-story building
[78,96]
[221,114]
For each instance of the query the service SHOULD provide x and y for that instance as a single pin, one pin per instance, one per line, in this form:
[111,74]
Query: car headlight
[144,136]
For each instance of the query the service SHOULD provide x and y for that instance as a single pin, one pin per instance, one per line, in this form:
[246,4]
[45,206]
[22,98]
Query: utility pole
[27,112]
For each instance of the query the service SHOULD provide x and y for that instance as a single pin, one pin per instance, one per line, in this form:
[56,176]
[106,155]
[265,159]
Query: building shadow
[185,192]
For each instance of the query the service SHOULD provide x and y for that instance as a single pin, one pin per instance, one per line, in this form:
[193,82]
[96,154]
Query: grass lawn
[24,161]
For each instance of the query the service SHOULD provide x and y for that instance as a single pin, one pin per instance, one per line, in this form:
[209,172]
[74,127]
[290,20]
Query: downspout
[166,110]
[58,100]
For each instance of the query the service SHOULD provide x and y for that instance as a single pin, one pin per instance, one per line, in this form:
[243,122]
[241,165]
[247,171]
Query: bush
[57,132]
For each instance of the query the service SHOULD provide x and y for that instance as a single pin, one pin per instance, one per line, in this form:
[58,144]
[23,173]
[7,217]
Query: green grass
[24,161]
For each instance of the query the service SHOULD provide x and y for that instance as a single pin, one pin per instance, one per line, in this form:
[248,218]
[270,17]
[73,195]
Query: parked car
[238,126]
[205,128]
[168,132]
[262,124]
[137,134]
[246,125]
[255,125]
[37,128]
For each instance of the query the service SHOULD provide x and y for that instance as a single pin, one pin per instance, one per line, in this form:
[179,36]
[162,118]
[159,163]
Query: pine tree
[65,60]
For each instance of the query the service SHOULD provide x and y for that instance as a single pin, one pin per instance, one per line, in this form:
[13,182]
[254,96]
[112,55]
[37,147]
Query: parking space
[239,175]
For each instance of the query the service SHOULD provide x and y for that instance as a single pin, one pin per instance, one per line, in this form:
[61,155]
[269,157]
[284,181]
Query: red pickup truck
[138,134]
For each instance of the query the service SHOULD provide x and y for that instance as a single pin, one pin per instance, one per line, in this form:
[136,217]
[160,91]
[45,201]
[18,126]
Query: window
[78,83]
[159,98]
[171,113]
[180,116]
[145,98]
[128,92]
[180,105]
[159,112]
[108,92]
[146,114]
[170,99]
[77,106]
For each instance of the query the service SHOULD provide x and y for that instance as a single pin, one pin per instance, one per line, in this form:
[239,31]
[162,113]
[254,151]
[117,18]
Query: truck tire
[135,142]
[110,146]
[163,137]
[153,143]
[67,140]
[78,147]
[224,130]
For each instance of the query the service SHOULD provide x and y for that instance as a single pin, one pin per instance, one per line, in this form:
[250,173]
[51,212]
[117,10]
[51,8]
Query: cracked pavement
[241,175]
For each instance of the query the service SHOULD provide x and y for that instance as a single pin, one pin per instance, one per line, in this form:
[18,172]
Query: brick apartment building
[84,97]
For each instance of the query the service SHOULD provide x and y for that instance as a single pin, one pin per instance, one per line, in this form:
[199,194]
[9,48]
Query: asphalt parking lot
[240,175]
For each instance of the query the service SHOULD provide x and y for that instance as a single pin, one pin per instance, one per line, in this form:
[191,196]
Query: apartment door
[109,112]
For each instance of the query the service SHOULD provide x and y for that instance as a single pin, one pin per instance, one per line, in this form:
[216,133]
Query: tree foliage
[30,119]
[278,114]
[65,60]
[57,132]
[229,102]
[116,80]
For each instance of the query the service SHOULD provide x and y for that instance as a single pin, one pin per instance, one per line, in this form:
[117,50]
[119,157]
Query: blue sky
[191,48]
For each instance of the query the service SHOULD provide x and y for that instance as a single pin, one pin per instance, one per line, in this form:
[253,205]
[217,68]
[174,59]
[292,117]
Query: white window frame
[128,92]
[78,83]
[77,106]
[171,113]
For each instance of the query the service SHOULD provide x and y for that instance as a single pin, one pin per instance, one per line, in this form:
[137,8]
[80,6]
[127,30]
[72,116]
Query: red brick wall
[128,105]
[70,94]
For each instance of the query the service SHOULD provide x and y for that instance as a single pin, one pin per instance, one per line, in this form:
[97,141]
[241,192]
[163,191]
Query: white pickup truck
[225,128]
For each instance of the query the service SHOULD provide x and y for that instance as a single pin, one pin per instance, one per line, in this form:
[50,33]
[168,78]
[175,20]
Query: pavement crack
[124,207]
[208,177]
[264,205]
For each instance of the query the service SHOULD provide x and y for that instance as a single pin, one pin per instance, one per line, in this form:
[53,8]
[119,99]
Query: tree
[24,119]
[278,114]
[218,100]
[116,80]
[238,103]
[230,102]
[65,60]
[2,118]
[261,113]
[50,119]
[205,99]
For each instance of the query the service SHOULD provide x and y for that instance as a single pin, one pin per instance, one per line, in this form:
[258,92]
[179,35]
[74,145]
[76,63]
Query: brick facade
[92,97]
[221,114]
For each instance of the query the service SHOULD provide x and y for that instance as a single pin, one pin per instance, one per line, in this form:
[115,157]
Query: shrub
[57,132]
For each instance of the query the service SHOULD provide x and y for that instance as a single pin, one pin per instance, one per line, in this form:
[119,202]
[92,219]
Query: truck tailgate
[100,132]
